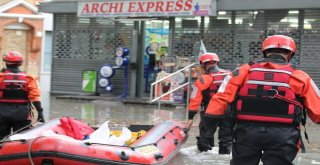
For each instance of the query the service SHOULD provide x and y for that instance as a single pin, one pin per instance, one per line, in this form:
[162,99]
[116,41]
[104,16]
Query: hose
[29,150]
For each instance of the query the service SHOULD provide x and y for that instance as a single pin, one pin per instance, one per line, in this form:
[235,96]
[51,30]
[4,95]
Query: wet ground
[120,114]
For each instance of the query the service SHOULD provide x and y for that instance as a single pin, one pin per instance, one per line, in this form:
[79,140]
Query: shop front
[86,35]
[87,39]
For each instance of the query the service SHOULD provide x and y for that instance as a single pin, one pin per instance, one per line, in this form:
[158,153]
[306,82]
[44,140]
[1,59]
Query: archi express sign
[147,8]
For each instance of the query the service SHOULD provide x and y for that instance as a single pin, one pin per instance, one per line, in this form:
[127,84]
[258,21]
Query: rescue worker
[204,88]
[269,97]
[17,90]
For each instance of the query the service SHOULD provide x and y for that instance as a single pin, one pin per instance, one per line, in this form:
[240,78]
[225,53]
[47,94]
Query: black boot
[224,148]
[211,141]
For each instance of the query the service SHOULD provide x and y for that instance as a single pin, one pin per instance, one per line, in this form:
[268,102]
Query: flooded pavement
[122,115]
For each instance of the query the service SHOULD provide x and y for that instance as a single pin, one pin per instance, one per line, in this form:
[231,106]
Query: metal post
[160,92]
[126,81]
[188,93]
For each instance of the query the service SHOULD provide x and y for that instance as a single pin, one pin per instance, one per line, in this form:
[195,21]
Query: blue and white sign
[106,71]
[103,82]
[121,52]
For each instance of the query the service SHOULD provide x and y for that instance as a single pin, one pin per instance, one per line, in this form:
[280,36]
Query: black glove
[37,105]
[204,142]
[191,114]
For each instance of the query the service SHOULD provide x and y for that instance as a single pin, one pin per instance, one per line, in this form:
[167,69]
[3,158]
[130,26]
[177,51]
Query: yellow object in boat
[134,136]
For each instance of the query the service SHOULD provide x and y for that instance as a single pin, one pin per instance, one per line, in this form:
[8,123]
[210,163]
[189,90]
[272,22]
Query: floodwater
[122,115]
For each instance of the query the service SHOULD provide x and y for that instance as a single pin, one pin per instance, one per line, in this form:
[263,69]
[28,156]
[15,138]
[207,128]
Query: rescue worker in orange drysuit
[269,97]
[17,90]
[204,88]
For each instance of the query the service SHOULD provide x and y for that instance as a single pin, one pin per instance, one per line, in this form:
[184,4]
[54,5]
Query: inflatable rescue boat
[158,145]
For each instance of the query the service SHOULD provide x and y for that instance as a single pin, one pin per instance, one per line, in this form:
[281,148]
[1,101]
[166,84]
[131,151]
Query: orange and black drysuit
[268,99]
[204,88]
[17,90]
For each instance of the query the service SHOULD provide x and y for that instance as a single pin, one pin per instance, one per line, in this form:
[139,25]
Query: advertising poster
[89,81]
[156,41]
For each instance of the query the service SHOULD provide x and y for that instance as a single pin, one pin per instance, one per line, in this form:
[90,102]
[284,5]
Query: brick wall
[28,40]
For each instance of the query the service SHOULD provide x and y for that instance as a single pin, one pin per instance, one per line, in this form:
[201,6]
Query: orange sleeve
[304,86]
[196,97]
[34,91]
[227,91]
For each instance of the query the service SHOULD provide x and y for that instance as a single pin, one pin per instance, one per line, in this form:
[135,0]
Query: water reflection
[97,112]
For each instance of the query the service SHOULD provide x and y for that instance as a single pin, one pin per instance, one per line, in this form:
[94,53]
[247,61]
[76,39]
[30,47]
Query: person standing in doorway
[17,91]
[204,88]
[270,98]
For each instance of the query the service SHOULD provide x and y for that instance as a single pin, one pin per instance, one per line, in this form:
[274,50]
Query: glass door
[156,41]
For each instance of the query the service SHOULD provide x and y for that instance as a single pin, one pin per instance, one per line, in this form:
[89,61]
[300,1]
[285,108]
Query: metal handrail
[172,90]
[174,73]
[164,94]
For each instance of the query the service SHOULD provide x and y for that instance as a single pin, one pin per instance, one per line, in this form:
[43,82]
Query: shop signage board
[147,8]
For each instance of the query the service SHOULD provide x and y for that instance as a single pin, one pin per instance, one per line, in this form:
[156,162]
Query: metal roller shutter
[240,43]
[86,44]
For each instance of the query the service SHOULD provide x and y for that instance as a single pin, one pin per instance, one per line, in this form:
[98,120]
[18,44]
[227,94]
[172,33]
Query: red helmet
[12,58]
[279,41]
[206,57]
